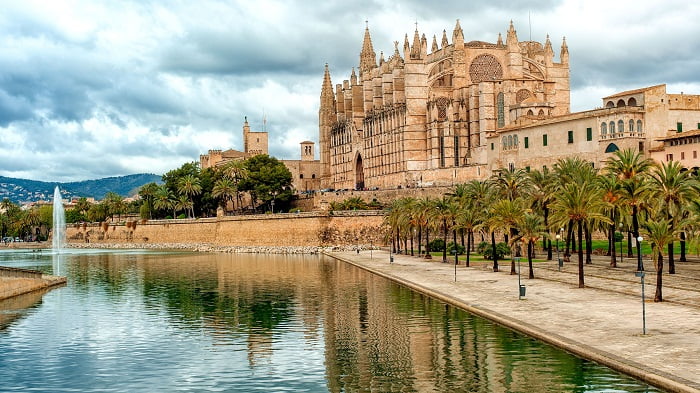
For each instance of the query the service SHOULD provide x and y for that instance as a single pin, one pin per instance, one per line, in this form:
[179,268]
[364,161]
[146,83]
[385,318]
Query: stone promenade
[602,322]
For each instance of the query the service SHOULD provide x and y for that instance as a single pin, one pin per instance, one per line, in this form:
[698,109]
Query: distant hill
[23,190]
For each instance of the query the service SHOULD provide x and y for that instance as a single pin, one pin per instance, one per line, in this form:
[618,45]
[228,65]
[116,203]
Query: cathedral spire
[327,87]
[548,47]
[512,38]
[564,55]
[353,77]
[457,33]
[500,40]
[368,58]
[406,47]
[415,48]
[444,43]
[435,45]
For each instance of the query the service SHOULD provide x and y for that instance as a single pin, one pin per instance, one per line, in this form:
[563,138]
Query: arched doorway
[359,174]
[611,148]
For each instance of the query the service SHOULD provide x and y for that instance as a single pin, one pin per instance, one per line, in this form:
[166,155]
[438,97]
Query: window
[669,157]
[527,142]
[544,140]
[510,140]
[501,116]
[301,175]
[612,129]
[698,126]
[313,175]
[639,126]
[571,136]
[515,140]
[456,142]
[589,134]
[441,142]
[631,125]
[641,147]
[492,146]
[682,155]
[511,166]
[603,129]
[695,154]
[527,168]
[505,142]
[620,127]
[679,127]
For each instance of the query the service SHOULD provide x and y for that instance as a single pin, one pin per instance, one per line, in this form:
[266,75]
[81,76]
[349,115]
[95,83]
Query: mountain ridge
[26,190]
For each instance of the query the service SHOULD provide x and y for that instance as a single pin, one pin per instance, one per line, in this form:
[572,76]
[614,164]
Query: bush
[436,244]
[451,247]
[618,237]
[181,216]
[502,250]
[168,217]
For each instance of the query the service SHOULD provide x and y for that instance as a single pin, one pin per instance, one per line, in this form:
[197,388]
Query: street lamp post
[640,274]
[559,261]
[521,288]
[272,202]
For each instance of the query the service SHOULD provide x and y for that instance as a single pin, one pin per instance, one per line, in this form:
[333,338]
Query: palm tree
[183,203]
[579,204]
[164,199]
[542,195]
[469,219]
[610,189]
[422,207]
[631,169]
[531,228]
[660,233]
[225,190]
[147,193]
[189,186]
[675,187]
[445,212]
[506,215]
[511,183]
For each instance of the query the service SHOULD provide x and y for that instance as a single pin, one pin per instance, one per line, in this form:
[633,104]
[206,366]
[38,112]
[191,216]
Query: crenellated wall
[303,229]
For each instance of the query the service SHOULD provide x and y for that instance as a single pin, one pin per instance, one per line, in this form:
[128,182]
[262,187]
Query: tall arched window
[603,129]
[612,128]
[505,142]
[620,127]
[501,114]
[631,125]
[515,140]
[639,126]
[510,140]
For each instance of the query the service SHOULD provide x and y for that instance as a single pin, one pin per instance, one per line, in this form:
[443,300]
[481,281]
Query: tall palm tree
[147,193]
[580,204]
[611,193]
[445,212]
[183,203]
[675,187]
[225,190]
[511,182]
[506,215]
[164,199]
[542,195]
[631,169]
[660,233]
[189,186]
[531,228]
[469,219]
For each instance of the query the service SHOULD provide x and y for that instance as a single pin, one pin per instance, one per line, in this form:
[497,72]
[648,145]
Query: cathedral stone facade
[424,117]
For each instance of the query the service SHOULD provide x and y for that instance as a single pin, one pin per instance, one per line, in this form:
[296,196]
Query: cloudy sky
[95,88]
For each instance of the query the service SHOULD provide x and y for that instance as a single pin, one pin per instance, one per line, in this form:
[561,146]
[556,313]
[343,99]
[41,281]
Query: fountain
[59,222]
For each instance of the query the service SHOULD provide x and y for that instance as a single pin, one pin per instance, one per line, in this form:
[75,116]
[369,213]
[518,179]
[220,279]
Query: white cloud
[91,89]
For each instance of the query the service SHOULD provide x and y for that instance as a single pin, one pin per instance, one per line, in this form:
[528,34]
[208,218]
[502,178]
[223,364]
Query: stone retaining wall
[291,229]
[10,287]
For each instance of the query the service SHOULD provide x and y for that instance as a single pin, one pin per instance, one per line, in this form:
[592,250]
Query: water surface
[146,321]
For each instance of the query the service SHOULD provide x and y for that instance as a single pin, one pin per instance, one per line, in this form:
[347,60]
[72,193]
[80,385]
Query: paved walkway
[602,322]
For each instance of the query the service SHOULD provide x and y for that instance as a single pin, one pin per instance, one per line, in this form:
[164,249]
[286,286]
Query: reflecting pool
[147,321]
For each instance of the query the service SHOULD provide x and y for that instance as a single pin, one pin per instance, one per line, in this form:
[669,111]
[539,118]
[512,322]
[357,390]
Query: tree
[660,233]
[224,190]
[531,228]
[506,215]
[580,204]
[147,193]
[611,193]
[675,187]
[189,186]
[445,212]
[164,199]
[267,178]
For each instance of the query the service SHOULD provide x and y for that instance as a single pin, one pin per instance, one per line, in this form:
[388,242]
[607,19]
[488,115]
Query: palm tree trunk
[420,236]
[512,255]
[427,241]
[589,244]
[493,251]
[444,246]
[682,258]
[671,261]
[580,255]
[469,244]
[635,228]
[658,296]
[411,245]
[629,245]
[530,246]
[569,232]
[461,234]
[454,240]
[613,253]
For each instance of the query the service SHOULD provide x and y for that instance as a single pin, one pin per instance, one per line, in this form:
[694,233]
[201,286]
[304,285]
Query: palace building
[465,109]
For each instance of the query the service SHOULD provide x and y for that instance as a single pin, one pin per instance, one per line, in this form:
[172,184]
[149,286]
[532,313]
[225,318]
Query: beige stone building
[465,109]
[305,171]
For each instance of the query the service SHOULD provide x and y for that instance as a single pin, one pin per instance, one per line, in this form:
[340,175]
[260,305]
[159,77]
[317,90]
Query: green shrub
[451,247]
[502,250]
[436,244]
[181,216]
